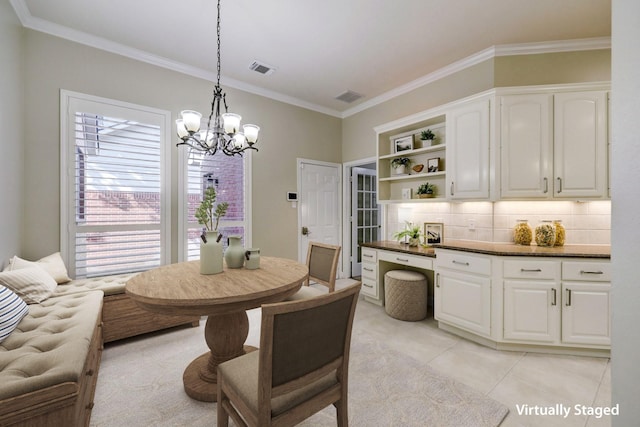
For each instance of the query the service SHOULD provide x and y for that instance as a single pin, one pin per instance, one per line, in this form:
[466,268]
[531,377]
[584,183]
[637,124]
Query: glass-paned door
[365,214]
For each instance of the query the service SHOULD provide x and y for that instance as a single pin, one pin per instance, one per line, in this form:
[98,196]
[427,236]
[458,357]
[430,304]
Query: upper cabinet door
[580,144]
[526,139]
[468,151]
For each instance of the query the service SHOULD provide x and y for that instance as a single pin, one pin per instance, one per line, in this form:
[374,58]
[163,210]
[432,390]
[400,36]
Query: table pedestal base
[225,335]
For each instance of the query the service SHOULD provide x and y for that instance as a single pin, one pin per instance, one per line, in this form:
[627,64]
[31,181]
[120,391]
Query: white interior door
[319,209]
[365,214]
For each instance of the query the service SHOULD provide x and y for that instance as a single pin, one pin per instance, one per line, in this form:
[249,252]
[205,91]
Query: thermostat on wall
[292,197]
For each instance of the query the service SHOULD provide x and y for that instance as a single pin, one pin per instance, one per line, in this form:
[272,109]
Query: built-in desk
[507,296]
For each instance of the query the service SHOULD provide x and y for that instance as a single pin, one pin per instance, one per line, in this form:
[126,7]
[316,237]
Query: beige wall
[553,68]
[287,132]
[11,153]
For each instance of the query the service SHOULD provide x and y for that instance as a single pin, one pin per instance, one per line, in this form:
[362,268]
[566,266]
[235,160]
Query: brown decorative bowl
[418,168]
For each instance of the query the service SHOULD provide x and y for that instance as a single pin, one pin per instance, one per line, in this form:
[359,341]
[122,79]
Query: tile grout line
[507,373]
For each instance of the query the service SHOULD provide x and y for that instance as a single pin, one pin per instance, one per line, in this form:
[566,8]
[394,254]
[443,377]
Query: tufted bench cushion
[50,345]
[110,285]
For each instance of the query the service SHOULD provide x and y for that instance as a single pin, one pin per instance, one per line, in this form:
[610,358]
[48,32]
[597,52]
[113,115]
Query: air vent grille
[349,96]
[262,68]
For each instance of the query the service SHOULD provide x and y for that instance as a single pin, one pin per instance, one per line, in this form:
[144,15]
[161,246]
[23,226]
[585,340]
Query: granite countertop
[501,249]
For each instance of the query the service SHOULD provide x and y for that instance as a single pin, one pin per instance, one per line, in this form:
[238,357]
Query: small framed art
[403,144]
[433,233]
[433,165]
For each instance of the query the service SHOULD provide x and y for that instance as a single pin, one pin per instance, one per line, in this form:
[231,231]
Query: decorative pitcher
[210,256]
[252,257]
[234,255]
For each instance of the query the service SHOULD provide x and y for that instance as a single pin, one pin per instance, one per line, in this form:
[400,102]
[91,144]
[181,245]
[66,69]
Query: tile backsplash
[585,222]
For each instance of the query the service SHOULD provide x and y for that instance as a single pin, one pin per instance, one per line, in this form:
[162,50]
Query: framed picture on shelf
[433,165]
[433,233]
[403,144]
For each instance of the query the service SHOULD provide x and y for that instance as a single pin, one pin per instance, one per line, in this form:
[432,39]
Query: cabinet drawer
[589,271]
[369,255]
[369,288]
[406,259]
[521,269]
[463,262]
[369,270]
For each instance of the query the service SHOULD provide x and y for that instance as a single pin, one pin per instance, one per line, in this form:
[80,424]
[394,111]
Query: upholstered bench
[121,316]
[49,363]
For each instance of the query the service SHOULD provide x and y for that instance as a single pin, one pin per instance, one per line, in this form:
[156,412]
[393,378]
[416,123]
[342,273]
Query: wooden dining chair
[297,371]
[322,261]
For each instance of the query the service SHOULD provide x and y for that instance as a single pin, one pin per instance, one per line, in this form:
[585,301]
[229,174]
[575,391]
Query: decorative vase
[414,241]
[210,257]
[427,142]
[252,257]
[234,255]
[400,170]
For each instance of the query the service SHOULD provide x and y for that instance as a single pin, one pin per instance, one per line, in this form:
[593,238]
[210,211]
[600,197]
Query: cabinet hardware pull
[554,302]
[367,269]
[367,255]
[402,259]
[460,262]
[546,185]
[367,286]
[568,298]
[590,272]
[437,280]
[530,270]
[559,185]
[451,188]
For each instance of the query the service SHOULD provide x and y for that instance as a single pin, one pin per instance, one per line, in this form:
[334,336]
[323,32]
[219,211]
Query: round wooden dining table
[180,289]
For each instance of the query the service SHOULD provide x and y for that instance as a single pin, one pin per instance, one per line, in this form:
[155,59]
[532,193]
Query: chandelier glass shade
[223,130]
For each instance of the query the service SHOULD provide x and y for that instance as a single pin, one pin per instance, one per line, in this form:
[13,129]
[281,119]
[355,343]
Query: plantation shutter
[227,175]
[117,194]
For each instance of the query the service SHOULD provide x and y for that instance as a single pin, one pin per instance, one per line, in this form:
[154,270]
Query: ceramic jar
[211,256]
[252,259]
[234,255]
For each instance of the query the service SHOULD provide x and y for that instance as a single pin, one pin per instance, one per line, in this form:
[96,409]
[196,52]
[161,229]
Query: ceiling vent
[349,96]
[262,68]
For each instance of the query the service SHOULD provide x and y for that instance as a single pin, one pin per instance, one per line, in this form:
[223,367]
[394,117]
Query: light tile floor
[513,378]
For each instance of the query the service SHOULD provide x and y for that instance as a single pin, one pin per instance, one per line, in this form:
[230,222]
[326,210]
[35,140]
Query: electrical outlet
[472,224]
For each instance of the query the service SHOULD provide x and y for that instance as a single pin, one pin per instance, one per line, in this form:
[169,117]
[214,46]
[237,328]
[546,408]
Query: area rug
[140,384]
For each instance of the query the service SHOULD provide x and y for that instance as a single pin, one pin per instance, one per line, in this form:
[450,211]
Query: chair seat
[305,292]
[241,374]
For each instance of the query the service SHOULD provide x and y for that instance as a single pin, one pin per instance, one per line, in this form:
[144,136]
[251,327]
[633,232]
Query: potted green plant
[399,164]
[413,232]
[206,214]
[427,137]
[426,190]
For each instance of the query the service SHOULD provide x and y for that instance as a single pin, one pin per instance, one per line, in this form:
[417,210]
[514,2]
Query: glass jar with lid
[560,233]
[522,233]
[546,234]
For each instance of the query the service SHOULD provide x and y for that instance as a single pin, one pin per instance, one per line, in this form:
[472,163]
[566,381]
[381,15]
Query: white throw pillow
[33,284]
[12,310]
[52,264]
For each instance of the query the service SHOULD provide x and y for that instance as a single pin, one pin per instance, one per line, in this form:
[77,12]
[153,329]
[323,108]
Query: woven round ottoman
[405,295]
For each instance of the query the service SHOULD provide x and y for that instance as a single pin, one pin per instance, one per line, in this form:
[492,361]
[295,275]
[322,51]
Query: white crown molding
[37,24]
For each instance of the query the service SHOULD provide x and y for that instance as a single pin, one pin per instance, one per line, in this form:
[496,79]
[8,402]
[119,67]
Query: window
[115,186]
[231,178]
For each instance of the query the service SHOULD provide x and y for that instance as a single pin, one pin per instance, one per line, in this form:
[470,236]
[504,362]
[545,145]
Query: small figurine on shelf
[426,191]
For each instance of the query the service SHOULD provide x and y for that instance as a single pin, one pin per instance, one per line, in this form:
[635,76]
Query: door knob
[305,231]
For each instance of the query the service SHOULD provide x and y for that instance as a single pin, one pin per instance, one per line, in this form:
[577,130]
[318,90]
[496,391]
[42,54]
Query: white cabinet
[370,273]
[580,144]
[554,145]
[586,309]
[463,291]
[468,151]
[564,303]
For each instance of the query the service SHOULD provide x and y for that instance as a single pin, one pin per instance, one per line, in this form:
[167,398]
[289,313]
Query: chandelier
[224,133]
